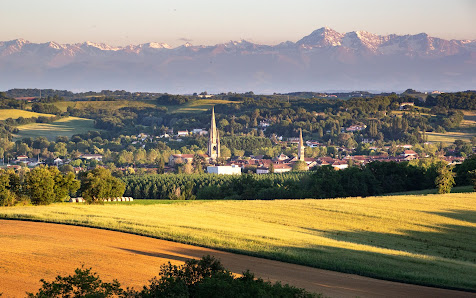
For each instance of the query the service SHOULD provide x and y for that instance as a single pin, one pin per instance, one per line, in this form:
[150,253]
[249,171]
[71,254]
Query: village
[295,159]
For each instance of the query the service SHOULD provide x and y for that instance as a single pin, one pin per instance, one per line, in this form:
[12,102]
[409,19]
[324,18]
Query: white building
[224,170]
[182,133]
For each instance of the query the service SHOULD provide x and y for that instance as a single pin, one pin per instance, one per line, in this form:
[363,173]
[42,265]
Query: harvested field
[64,127]
[422,239]
[15,114]
[32,250]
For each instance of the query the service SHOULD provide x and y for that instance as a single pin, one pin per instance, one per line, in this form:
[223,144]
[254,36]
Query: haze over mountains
[325,60]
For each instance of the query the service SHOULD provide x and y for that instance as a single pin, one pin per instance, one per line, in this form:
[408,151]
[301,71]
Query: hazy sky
[208,22]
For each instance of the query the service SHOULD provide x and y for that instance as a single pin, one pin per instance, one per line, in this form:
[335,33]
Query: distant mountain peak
[322,37]
[156,45]
[325,59]
[101,46]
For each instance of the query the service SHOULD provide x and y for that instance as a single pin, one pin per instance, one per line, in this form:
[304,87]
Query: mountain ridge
[323,60]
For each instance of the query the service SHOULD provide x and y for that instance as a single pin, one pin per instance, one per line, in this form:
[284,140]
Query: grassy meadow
[427,240]
[450,137]
[110,105]
[196,106]
[64,127]
[15,114]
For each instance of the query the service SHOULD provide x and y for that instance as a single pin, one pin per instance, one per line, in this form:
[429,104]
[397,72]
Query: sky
[209,22]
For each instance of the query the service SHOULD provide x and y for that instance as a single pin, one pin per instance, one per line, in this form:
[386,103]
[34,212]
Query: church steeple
[300,147]
[214,139]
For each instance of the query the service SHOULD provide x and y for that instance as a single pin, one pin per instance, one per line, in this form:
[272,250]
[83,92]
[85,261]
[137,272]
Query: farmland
[115,105]
[196,106]
[15,114]
[449,137]
[426,240]
[64,127]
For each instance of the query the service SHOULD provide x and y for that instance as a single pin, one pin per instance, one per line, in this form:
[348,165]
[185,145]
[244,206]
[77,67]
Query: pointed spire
[300,147]
[213,124]
[214,140]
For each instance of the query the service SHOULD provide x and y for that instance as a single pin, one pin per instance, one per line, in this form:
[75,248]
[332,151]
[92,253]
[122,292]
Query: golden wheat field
[67,126]
[15,114]
[418,239]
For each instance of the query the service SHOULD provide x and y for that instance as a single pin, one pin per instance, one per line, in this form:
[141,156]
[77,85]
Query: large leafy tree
[99,183]
[65,184]
[40,185]
[445,179]
[45,185]
[7,197]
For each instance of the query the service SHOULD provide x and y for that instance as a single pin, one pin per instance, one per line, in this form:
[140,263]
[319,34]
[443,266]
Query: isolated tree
[271,168]
[187,168]
[472,177]
[160,166]
[198,162]
[7,197]
[65,184]
[299,166]
[83,283]
[40,186]
[445,179]
[98,184]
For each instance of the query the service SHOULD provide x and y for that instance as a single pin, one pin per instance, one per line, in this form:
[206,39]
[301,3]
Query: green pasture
[469,120]
[449,137]
[427,240]
[457,189]
[64,127]
[15,114]
[110,105]
[197,106]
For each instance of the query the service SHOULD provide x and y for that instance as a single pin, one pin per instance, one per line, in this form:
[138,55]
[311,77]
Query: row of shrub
[375,178]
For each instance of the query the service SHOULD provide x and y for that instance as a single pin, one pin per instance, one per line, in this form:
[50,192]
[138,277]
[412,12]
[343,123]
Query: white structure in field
[224,170]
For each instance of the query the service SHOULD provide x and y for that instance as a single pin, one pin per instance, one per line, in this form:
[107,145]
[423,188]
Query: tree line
[206,277]
[44,185]
[375,178]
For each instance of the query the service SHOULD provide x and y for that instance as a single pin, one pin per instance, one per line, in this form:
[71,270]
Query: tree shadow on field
[463,215]
[451,241]
[155,254]
[382,265]
[444,256]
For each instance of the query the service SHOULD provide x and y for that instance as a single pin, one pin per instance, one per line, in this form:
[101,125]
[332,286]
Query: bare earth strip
[32,250]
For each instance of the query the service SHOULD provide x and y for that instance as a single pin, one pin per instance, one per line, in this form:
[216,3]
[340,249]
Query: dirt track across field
[30,251]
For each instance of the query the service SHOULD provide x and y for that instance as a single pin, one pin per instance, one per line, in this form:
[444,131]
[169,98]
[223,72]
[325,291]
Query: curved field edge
[427,240]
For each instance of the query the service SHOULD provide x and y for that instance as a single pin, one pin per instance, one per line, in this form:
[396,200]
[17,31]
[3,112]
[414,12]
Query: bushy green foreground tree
[7,197]
[83,283]
[445,179]
[41,186]
[196,278]
[472,175]
[99,183]
[45,185]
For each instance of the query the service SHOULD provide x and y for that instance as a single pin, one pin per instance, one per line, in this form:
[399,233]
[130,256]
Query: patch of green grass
[426,240]
[64,127]
[449,137]
[15,114]
[110,105]
[197,106]
[457,189]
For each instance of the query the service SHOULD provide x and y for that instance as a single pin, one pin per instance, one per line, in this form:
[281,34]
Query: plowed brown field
[30,251]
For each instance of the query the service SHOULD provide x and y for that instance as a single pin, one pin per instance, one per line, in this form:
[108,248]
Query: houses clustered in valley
[257,163]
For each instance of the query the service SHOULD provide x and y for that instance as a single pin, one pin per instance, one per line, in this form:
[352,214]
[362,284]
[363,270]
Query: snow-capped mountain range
[323,60]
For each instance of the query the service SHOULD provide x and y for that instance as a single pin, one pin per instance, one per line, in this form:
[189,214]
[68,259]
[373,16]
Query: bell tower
[214,139]
[300,147]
